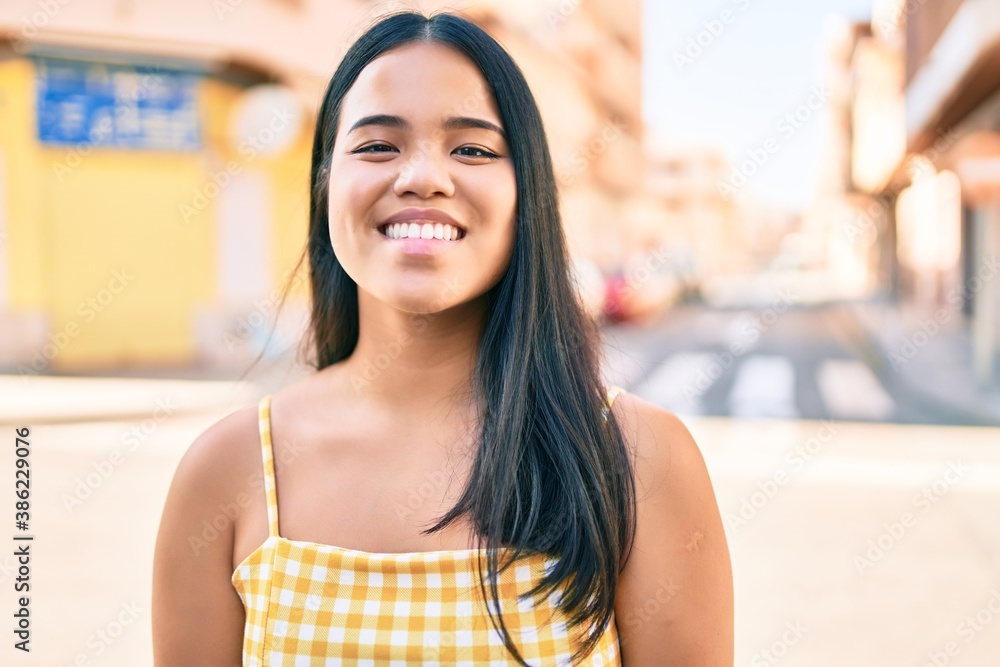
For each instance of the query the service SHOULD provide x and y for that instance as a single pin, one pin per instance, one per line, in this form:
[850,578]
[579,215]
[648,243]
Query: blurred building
[154,163]
[713,236]
[923,195]
[832,234]
[695,214]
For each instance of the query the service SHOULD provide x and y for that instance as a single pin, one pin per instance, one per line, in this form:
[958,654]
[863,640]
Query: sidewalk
[929,358]
[67,400]
[138,393]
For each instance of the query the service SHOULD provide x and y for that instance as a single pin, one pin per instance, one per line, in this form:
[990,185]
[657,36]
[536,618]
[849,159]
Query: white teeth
[412,230]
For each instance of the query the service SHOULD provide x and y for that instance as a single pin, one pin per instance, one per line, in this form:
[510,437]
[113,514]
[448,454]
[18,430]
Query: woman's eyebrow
[464,122]
[380,119]
[450,123]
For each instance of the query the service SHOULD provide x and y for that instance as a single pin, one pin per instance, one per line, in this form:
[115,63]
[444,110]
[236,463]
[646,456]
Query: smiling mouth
[422,230]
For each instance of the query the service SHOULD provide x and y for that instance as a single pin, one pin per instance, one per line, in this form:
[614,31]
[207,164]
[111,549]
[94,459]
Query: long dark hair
[549,475]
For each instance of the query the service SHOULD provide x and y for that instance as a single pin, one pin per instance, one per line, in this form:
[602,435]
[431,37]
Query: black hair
[549,475]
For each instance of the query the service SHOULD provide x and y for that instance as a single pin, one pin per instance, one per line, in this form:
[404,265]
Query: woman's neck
[415,363]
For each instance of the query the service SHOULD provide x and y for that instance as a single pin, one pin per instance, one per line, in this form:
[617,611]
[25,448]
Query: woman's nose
[424,173]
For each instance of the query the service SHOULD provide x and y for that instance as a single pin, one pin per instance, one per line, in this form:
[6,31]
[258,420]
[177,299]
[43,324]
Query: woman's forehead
[420,81]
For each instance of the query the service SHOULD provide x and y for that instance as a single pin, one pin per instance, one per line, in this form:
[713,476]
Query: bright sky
[760,66]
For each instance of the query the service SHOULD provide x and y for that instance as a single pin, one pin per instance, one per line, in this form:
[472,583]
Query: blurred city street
[824,361]
[784,217]
[840,531]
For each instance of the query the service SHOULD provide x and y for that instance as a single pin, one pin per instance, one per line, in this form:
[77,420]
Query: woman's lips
[421,246]
[425,229]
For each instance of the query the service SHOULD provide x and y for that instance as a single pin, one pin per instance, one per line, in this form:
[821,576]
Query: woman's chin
[422,302]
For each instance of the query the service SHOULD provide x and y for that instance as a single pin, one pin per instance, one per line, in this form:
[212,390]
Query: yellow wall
[27,261]
[288,174]
[98,242]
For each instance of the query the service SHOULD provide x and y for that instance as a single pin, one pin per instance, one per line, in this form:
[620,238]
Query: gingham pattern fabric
[311,605]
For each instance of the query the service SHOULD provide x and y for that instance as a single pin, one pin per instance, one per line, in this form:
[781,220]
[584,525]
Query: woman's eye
[366,149]
[467,151]
[478,152]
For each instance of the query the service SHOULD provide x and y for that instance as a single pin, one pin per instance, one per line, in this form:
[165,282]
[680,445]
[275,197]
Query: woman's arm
[674,605]
[197,615]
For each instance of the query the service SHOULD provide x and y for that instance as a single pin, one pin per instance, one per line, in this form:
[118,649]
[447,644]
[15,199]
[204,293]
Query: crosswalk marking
[851,391]
[764,387]
[679,383]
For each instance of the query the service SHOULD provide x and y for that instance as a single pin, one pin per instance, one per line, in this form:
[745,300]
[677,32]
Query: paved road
[778,361]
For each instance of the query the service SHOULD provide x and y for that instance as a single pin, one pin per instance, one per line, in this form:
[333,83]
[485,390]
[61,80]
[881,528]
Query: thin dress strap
[613,392]
[267,453]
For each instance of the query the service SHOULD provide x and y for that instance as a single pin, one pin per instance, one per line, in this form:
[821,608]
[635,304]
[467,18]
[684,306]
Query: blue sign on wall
[117,106]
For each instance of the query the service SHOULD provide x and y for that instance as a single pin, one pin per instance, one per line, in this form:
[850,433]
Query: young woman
[454,485]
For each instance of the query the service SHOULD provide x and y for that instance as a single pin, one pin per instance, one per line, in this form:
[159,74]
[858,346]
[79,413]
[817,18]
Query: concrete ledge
[30,400]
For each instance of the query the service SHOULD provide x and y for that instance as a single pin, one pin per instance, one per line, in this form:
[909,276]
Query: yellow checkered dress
[310,604]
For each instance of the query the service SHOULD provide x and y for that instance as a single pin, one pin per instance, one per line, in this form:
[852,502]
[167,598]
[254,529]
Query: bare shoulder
[662,447]
[675,599]
[213,483]
[221,457]
[197,615]
[671,475]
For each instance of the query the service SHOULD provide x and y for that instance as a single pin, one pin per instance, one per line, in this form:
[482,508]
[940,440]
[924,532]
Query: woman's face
[420,142]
